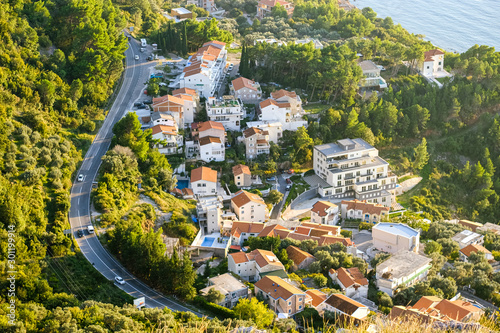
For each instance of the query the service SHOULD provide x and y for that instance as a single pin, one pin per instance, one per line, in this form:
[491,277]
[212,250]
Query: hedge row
[216,309]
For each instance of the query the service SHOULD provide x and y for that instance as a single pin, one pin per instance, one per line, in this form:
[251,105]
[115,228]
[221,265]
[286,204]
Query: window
[300,299]
[300,307]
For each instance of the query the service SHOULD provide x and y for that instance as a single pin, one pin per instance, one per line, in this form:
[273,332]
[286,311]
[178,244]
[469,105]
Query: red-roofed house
[211,148]
[241,231]
[254,265]
[284,96]
[366,211]
[433,62]
[204,181]
[325,212]
[170,140]
[351,281]
[256,142]
[474,248]
[242,175]
[284,107]
[246,90]
[173,105]
[301,259]
[205,69]
[249,207]
[342,304]
[264,7]
[281,296]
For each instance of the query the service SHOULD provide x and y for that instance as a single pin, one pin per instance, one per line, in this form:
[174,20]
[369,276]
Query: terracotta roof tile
[297,255]
[351,276]
[474,248]
[456,310]
[272,230]
[317,296]
[344,303]
[252,131]
[241,169]
[209,139]
[276,287]
[187,91]
[320,207]
[239,257]
[432,53]
[248,227]
[366,207]
[242,82]
[203,173]
[282,92]
[267,102]
[167,98]
[206,125]
[243,197]
[164,129]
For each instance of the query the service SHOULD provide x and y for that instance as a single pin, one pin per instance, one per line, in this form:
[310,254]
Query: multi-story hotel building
[352,168]
[226,111]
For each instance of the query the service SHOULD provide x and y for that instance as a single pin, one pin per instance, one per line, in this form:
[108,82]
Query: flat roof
[403,264]
[228,282]
[181,10]
[465,236]
[336,148]
[397,229]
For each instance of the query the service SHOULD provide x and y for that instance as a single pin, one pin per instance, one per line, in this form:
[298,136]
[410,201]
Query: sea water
[453,25]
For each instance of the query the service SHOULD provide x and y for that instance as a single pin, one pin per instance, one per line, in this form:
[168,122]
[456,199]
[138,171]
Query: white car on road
[80,178]
[136,57]
[119,280]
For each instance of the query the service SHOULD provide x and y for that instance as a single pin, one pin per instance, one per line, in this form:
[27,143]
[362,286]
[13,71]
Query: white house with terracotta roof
[246,90]
[168,139]
[402,269]
[174,106]
[291,97]
[264,7]
[191,103]
[226,110]
[433,62]
[351,281]
[255,265]
[344,305]
[315,297]
[465,252]
[256,142]
[240,231]
[204,182]
[211,148]
[395,237]
[362,210]
[208,128]
[274,129]
[205,69]
[242,175]
[325,212]
[281,296]
[271,110]
[249,207]
[301,259]
[352,168]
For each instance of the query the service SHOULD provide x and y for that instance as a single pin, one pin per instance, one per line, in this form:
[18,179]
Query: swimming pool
[207,242]
[182,184]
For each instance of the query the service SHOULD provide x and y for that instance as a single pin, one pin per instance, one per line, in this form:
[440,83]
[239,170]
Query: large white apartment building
[227,111]
[209,212]
[352,168]
[205,69]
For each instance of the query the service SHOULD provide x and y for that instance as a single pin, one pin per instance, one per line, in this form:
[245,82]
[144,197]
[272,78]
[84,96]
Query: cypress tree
[184,44]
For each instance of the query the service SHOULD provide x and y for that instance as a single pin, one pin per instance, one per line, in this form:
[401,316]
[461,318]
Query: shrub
[346,233]
[216,309]
[365,226]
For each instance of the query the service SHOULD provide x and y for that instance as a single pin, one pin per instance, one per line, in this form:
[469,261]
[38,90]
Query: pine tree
[186,278]
[421,156]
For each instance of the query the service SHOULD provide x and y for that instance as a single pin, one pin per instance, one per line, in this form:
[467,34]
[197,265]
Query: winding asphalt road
[136,73]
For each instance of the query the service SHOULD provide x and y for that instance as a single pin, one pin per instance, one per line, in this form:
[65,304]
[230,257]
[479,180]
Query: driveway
[363,240]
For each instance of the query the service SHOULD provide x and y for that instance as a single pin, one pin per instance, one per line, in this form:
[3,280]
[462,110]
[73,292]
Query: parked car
[142,107]
[170,63]
[288,181]
[79,233]
[290,171]
[271,179]
[119,280]
[138,104]
[136,57]
[148,102]
[80,178]
[382,68]
[288,187]
[230,68]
